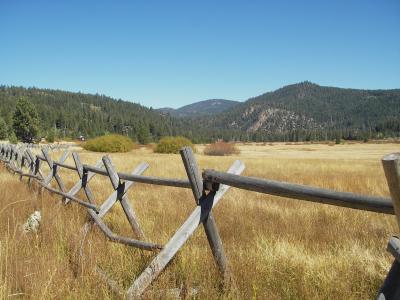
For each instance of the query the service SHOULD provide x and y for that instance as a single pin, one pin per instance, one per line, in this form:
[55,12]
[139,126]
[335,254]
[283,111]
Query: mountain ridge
[310,107]
[296,112]
[200,108]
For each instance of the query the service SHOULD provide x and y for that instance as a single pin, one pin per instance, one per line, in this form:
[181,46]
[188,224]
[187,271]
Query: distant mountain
[201,108]
[307,110]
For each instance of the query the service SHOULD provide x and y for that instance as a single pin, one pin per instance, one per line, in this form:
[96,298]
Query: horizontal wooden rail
[28,175]
[42,158]
[62,165]
[181,183]
[22,173]
[143,179]
[65,166]
[301,192]
[70,197]
[120,239]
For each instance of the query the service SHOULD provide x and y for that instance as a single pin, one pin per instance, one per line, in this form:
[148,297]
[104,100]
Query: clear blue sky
[169,53]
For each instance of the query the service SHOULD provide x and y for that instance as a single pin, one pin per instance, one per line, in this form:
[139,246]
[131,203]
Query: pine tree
[25,121]
[143,135]
[3,129]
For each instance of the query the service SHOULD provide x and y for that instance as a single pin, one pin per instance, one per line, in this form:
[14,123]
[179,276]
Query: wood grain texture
[123,240]
[179,238]
[301,192]
[391,166]
[143,179]
[209,223]
[120,194]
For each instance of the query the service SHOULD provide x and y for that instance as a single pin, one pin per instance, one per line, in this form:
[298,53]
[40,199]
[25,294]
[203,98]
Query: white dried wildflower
[33,222]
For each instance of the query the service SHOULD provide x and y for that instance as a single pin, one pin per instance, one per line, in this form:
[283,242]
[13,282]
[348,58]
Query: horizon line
[215,98]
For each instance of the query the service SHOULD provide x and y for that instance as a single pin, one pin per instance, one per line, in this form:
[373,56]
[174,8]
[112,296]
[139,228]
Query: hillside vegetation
[201,108]
[75,114]
[299,112]
[307,111]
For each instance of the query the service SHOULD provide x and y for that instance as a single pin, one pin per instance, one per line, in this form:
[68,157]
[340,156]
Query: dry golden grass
[278,248]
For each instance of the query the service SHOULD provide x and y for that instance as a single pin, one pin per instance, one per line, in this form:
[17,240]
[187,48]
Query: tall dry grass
[278,248]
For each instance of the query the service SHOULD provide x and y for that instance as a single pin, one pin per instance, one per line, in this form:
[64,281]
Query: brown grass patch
[221,148]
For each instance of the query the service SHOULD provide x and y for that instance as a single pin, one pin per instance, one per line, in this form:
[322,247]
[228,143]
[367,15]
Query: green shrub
[110,143]
[170,144]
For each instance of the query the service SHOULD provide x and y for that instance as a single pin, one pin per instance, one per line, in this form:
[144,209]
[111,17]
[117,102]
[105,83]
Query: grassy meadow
[278,248]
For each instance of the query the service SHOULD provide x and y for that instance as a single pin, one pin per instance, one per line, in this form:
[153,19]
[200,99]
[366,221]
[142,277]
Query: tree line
[30,113]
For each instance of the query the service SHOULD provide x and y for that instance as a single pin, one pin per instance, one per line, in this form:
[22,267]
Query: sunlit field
[278,248]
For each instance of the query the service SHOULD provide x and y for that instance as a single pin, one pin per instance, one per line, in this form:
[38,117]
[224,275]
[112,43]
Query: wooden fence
[208,189]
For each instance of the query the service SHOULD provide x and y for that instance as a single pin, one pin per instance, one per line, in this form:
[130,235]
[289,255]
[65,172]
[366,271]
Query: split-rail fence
[208,189]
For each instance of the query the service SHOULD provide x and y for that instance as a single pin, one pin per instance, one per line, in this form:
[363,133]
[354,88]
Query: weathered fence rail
[208,189]
[300,192]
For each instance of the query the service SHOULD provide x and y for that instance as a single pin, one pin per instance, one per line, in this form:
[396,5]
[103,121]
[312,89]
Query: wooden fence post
[107,204]
[84,179]
[12,163]
[391,287]
[121,190]
[21,160]
[35,167]
[30,166]
[391,166]
[83,183]
[209,224]
[180,237]
[54,169]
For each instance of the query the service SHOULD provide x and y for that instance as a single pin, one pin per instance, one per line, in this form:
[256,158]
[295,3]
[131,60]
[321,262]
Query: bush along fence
[208,189]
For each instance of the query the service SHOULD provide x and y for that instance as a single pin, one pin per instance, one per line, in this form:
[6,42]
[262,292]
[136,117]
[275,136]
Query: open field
[278,248]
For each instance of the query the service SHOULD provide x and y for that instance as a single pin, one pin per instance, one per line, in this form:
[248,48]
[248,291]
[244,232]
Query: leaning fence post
[391,288]
[180,237]
[35,167]
[53,170]
[209,224]
[38,163]
[31,166]
[122,197]
[391,166]
[84,179]
[83,183]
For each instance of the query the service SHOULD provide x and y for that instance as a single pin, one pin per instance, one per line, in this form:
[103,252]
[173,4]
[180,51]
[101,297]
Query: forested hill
[72,114]
[303,111]
[201,108]
[309,111]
